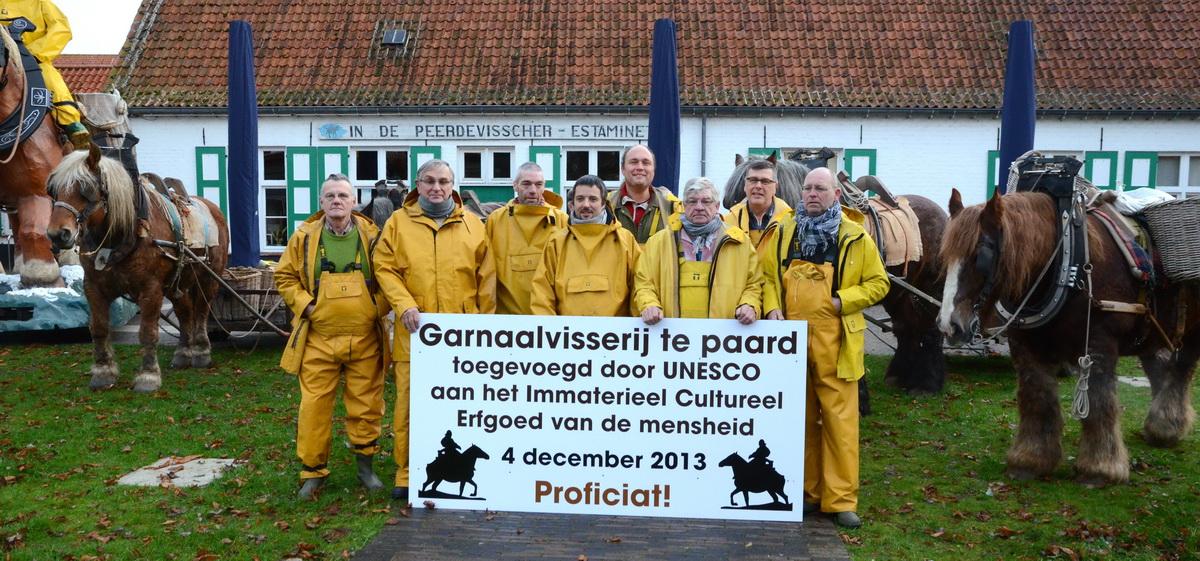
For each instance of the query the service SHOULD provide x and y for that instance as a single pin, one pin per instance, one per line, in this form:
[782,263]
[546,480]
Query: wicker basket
[1175,226]
[227,307]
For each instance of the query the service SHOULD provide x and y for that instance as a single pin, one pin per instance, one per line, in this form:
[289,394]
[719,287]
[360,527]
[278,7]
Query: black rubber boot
[308,491]
[399,493]
[367,475]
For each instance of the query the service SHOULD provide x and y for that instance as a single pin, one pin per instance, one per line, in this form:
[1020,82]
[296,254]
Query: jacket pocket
[524,262]
[854,322]
[587,283]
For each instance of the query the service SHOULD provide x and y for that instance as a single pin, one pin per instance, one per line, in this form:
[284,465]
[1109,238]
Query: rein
[10,45]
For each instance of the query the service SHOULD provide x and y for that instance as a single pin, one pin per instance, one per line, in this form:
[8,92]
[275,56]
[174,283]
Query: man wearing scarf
[518,232]
[824,269]
[587,270]
[682,264]
[431,257]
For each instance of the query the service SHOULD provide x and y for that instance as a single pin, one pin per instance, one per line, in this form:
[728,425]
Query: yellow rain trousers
[518,233]
[693,288]
[831,409]
[341,338]
[45,43]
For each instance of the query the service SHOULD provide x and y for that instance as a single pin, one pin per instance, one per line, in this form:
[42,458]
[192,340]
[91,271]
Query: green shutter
[333,159]
[550,158]
[849,156]
[992,180]
[1151,177]
[303,184]
[1098,165]
[214,184]
[764,152]
[415,159]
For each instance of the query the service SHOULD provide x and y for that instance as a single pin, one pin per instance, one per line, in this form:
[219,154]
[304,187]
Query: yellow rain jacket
[859,276]
[294,279]
[734,278]
[46,43]
[739,216]
[664,212]
[518,233]
[447,268]
[587,270]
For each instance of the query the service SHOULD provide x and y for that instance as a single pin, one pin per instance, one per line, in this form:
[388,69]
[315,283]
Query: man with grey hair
[682,264]
[640,207]
[518,231]
[431,257]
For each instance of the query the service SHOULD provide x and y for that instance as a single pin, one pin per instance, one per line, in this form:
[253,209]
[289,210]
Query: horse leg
[37,265]
[1102,456]
[203,296]
[733,501]
[864,398]
[149,377]
[1171,415]
[104,368]
[183,349]
[474,488]
[746,497]
[1037,447]
[919,365]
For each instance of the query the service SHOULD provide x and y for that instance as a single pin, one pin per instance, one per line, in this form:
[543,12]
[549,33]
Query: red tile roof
[86,73]
[1132,55]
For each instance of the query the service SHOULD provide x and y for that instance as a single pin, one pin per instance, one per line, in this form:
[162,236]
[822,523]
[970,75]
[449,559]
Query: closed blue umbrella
[664,106]
[1019,113]
[242,190]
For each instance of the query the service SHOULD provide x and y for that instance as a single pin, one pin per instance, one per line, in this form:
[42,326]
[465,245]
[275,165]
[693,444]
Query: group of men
[636,250]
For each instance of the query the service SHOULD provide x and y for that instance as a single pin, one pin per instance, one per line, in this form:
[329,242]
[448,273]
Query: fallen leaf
[938,533]
[392,521]
[335,534]
[312,523]
[282,525]
[1056,551]
[429,505]
[617,539]
[1004,532]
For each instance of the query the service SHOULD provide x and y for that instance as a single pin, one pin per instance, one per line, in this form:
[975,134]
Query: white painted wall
[920,154]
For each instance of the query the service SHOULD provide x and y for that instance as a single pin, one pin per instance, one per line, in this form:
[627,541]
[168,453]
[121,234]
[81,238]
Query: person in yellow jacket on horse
[324,276]
[759,213]
[588,269]
[45,42]
[639,206]
[700,267]
[432,257]
[518,231]
[823,268]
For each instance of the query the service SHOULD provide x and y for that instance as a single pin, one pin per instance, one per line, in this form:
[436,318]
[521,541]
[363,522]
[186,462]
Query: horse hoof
[99,385]
[146,383]
[1021,474]
[180,362]
[202,361]
[1092,481]
[103,377]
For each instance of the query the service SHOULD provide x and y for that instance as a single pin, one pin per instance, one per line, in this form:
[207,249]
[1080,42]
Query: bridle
[94,203]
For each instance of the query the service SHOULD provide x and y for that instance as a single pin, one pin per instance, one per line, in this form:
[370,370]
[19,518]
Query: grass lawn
[932,470]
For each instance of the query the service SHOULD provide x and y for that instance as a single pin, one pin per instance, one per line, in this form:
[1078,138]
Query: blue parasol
[663,136]
[1019,113]
[243,148]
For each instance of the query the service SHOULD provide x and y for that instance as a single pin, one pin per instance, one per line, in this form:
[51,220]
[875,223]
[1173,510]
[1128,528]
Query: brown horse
[97,205]
[918,365]
[1020,231]
[23,171]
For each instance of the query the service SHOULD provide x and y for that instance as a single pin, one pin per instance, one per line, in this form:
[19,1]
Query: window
[371,164]
[1179,174]
[274,205]
[604,163]
[481,166]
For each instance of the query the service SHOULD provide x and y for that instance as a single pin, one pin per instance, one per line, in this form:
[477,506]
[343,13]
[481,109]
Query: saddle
[891,221]
[1131,237]
[37,98]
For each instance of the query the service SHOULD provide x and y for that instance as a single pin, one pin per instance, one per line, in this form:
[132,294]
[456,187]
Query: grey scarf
[699,233]
[436,210]
[818,233]
[601,218]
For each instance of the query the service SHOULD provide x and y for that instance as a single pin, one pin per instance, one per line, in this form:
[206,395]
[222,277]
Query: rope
[14,54]
[1032,288]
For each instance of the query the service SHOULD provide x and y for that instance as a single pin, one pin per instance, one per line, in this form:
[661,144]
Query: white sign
[609,416]
[628,130]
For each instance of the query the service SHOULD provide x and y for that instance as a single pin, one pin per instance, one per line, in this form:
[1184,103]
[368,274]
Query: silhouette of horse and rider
[452,465]
[755,476]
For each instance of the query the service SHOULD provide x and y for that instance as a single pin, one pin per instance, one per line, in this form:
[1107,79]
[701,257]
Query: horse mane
[788,173]
[73,176]
[1029,235]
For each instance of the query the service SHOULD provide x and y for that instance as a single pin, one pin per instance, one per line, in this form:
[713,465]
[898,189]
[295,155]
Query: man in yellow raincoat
[518,232]
[51,34]
[758,214]
[588,269]
[324,276]
[432,257]
[639,206]
[823,268]
[700,267]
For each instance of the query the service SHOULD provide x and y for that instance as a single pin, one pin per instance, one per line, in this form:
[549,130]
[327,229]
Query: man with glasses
[324,276]
[825,269]
[758,215]
[588,269]
[518,231]
[682,266]
[639,206]
[431,257]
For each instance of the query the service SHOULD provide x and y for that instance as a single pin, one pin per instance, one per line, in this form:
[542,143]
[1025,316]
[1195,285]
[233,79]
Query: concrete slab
[173,471]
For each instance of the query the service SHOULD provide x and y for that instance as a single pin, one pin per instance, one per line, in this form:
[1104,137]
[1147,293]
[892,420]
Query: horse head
[476,452]
[970,255]
[789,177]
[90,192]
[733,460]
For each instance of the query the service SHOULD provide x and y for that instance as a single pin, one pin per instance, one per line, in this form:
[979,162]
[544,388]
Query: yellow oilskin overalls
[342,336]
[830,456]
[45,43]
[518,233]
[693,288]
